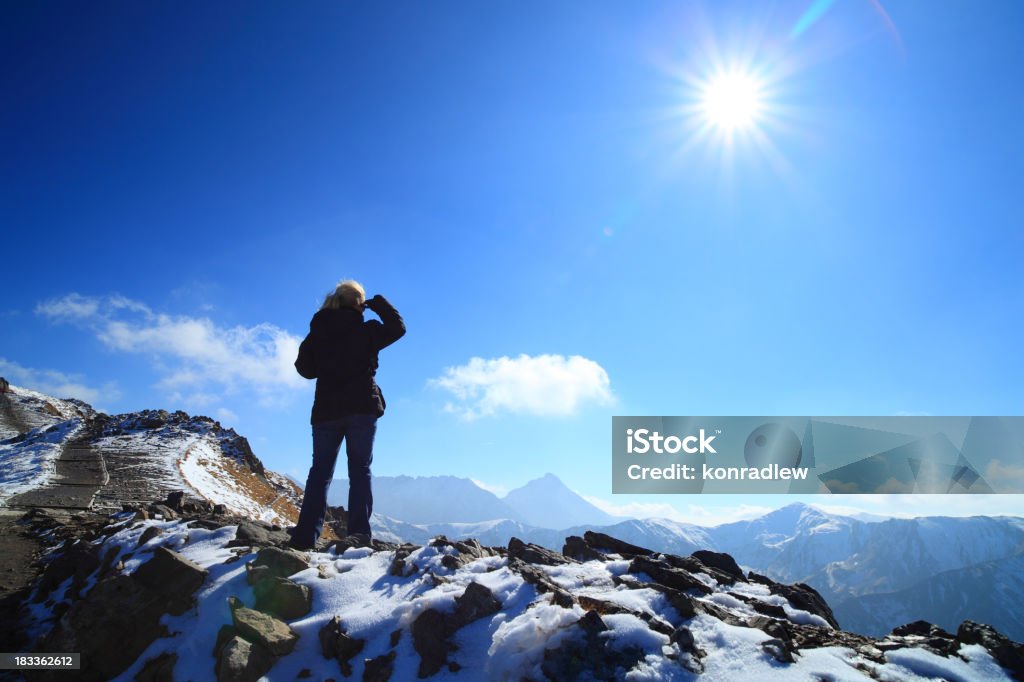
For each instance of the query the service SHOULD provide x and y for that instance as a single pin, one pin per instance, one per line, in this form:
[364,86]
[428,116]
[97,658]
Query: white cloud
[70,307]
[57,384]
[227,416]
[194,354]
[544,385]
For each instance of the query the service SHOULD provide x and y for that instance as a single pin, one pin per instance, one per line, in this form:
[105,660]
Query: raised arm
[391,327]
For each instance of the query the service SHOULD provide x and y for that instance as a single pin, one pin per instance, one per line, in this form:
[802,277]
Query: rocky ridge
[202,594]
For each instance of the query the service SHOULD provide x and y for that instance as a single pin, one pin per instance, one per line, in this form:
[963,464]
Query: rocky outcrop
[173,577]
[259,534]
[466,551]
[112,614]
[584,654]
[337,644]
[800,596]
[120,616]
[260,628]
[535,554]
[1007,653]
[242,661]
[432,629]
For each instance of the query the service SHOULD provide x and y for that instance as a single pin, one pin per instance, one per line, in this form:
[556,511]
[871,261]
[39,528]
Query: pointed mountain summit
[430,499]
[546,502]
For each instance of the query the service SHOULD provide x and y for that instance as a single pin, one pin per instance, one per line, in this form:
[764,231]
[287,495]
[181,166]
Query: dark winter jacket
[340,352]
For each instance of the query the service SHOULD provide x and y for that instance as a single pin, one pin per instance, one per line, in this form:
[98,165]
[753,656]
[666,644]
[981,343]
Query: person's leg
[327,438]
[359,448]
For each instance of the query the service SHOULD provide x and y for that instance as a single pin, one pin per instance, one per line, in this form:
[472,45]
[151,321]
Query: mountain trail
[9,416]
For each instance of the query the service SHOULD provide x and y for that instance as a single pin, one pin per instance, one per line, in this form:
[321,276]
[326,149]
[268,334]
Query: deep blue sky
[518,178]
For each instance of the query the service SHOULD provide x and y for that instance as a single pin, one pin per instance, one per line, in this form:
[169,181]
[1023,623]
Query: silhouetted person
[340,352]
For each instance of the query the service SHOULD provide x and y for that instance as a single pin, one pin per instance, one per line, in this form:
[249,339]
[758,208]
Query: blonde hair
[348,294]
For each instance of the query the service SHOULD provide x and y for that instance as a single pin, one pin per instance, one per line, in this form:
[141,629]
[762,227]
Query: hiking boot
[299,544]
[359,539]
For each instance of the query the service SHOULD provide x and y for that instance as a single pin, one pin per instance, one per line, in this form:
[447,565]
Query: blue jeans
[358,431]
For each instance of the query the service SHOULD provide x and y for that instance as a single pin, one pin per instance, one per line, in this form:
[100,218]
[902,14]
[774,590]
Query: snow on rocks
[193,603]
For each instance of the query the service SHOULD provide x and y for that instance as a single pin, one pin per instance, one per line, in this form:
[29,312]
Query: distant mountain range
[545,502]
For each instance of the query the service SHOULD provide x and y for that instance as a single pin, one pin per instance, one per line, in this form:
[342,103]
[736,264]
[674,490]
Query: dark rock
[351,541]
[399,566]
[694,565]
[586,655]
[173,576]
[600,606]
[922,628]
[207,524]
[767,609]
[220,510]
[243,661]
[258,534]
[224,635]
[723,562]
[283,598]
[609,545]
[468,551]
[800,596]
[777,649]
[162,511]
[781,646]
[78,559]
[379,669]
[273,562]
[475,603]
[721,613]
[149,534]
[430,642]
[683,603]
[159,669]
[663,574]
[336,518]
[275,636]
[396,636]
[1007,653]
[337,644]
[115,622]
[694,655]
[797,637]
[577,548]
[604,608]
[540,580]
[535,554]
[175,500]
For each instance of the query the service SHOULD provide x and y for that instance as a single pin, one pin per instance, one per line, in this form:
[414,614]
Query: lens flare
[732,101]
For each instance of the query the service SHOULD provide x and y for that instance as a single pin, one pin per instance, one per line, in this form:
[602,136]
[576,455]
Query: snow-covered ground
[508,645]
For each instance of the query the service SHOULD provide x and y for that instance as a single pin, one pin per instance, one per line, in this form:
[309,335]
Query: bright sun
[732,101]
